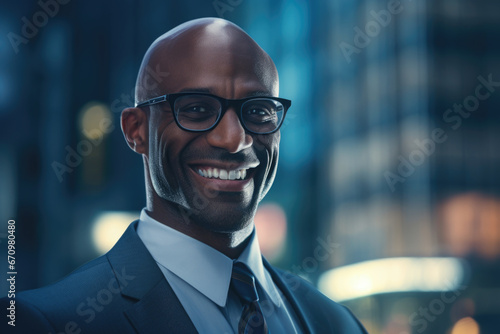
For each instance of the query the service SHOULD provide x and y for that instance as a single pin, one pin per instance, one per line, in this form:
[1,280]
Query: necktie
[252,320]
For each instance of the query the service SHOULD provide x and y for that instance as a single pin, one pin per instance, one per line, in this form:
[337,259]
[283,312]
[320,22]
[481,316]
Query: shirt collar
[173,250]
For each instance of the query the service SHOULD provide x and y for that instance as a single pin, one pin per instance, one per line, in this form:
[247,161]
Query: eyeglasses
[198,112]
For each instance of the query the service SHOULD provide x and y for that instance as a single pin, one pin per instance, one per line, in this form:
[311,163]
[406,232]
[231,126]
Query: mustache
[219,154]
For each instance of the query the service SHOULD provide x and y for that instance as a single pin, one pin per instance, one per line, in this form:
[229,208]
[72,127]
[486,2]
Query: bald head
[209,46]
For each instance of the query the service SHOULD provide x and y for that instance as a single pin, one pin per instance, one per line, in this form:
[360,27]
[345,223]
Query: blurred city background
[388,189]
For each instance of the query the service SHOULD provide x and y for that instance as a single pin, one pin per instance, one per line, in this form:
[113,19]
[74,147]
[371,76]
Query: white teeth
[223,174]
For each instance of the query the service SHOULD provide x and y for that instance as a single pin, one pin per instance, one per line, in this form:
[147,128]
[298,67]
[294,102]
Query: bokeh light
[465,326]
[271,226]
[108,227]
[95,120]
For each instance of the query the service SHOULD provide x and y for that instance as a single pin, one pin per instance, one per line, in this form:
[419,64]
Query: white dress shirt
[200,277]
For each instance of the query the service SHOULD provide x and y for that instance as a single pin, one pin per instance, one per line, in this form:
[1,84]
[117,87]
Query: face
[186,167]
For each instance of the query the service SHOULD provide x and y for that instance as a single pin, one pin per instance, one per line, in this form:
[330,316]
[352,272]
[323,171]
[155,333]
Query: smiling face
[212,179]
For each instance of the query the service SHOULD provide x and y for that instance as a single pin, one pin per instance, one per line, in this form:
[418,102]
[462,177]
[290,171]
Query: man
[209,136]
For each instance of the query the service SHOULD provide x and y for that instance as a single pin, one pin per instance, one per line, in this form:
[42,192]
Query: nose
[229,134]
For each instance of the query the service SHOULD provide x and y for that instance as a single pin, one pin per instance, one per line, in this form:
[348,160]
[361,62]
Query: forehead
[223,61]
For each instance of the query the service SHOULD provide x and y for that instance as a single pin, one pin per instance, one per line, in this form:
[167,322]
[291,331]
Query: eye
[259,111]
[197,111]
[262,115]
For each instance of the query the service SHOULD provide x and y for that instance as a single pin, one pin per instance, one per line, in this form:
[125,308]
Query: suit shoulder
[64,294]
[83,301]
[301,286]
[38,310]
[23,318]
[322,312]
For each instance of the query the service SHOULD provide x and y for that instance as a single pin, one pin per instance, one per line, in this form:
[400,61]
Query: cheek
[163,147]
[166,169]
[169,148]
[157,164]
[267,147]
[268,143]
[163,134]
[273,143]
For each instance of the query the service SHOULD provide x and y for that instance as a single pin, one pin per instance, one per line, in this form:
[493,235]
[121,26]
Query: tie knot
[243,282]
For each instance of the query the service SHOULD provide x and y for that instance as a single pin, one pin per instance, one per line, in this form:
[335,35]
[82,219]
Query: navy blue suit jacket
[124,291]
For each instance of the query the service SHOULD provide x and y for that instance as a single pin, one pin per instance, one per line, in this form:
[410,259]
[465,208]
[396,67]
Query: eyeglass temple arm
[154,100]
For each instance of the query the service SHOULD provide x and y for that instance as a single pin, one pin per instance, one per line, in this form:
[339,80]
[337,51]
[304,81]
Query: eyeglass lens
[198,112]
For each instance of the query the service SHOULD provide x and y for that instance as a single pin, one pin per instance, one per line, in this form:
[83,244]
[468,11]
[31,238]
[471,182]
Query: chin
[223,222]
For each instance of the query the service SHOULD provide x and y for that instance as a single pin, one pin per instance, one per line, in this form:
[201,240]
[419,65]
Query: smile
[223,174]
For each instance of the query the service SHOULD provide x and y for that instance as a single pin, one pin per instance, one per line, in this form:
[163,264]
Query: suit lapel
[160,312]
[156,308]
[288,289]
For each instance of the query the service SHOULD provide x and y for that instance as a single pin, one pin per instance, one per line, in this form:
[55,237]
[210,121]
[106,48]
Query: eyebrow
[209,91]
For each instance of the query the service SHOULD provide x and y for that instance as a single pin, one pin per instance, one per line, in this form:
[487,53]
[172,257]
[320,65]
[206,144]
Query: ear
[134,122]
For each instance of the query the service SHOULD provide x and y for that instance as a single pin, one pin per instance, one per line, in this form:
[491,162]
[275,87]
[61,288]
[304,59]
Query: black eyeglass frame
[225,104]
